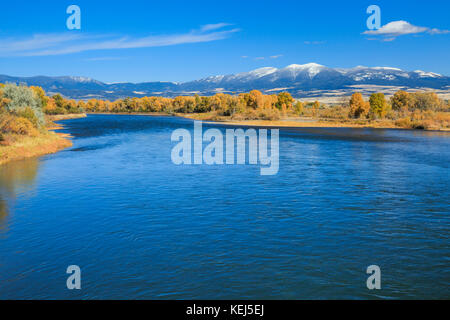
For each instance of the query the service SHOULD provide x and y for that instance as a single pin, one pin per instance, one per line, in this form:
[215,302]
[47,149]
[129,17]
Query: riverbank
[304,122]
[297,122]
[18,147]
[59,117]
[22,147]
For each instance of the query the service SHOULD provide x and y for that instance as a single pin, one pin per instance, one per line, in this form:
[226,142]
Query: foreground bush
[17,125]
[23,102]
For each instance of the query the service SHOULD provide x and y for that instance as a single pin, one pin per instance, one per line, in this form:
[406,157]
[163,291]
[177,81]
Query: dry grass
[314,123]
[16,147]
[435,121]
[60,117]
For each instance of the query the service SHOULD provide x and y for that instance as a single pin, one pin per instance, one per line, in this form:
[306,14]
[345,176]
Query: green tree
[378,105]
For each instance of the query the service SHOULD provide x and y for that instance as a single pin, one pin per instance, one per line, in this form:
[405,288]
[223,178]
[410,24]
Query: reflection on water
[18,174]
[15,177]
[3,211]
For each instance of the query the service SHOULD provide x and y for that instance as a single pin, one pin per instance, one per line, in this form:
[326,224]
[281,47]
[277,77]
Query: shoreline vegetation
[419,110]
[18,147]
[27,114]
[26,129]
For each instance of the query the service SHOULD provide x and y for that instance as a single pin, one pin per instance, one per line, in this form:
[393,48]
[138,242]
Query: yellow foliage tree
[358,107]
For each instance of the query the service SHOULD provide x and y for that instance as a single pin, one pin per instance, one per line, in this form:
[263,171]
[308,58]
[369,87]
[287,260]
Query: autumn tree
[284,99]
[358,107]
[316,107]
[40,94]
[254,99]
[401,101]
[298,108]
[426,101]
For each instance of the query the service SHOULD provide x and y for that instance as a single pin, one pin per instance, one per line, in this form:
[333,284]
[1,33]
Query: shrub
[17,125]
[29,114]
[21,98]
[404,123]
[336,112]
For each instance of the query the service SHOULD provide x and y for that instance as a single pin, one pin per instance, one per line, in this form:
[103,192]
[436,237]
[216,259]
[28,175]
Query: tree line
[406,109]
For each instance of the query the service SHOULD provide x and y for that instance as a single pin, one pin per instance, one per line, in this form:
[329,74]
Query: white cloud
[70,42]
[398,28]
[276,56]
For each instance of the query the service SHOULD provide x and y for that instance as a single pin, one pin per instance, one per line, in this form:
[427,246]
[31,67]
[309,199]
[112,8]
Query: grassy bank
[440,124]
[60,117]
[17,147]
[25,123]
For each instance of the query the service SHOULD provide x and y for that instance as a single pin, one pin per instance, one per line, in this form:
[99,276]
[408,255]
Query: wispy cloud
[70,42]
[394,29]
[314,42]
[215,26]
[104,59]
[264,58]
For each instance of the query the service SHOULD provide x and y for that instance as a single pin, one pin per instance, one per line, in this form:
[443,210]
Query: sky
[143,41]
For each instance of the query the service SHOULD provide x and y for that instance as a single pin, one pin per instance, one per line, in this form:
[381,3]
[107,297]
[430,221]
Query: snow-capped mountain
[315,76]
[295,78]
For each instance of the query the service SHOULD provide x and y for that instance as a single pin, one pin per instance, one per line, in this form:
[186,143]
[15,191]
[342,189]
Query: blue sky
[139,41]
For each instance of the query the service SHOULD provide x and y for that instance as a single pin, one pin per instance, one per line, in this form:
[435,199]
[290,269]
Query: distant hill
[299,80]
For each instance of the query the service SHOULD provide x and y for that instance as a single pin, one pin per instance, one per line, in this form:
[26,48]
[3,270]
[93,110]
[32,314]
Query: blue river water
[141,227]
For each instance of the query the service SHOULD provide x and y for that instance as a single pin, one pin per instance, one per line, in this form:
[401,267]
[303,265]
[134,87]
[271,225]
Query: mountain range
[299,80]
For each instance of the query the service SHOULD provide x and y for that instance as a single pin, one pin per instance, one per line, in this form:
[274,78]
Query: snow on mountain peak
[309,71]
[312,69]
[261,72]
[386,68]
[427,74]
[82,79]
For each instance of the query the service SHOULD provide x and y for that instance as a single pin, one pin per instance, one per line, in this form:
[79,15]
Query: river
[141,227]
